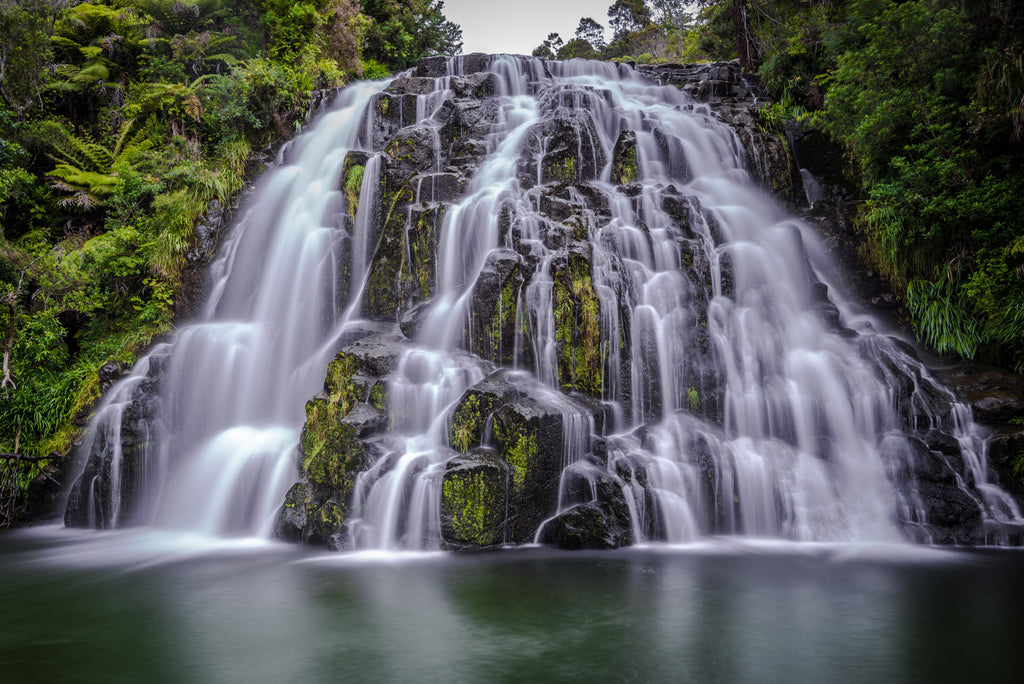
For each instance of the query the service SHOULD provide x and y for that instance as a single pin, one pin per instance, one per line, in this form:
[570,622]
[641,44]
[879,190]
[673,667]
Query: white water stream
[718,319]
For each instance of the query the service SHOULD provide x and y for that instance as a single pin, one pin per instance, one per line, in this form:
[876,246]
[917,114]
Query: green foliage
[24,51]
[941,317]
[121,120]
[401,33]
[578,48]
[910,98]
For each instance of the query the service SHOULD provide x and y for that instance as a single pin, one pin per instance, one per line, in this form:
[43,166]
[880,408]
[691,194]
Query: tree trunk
[741,34]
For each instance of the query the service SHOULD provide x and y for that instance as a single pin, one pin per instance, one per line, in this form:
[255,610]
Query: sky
[518,26]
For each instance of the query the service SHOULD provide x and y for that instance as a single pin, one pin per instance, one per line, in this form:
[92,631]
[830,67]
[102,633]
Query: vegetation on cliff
[123,122]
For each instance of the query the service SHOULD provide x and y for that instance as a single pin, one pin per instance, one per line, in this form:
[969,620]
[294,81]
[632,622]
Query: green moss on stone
[353,186]
[624,166]
[473,500]
[577,314]
[470,418]
[518,447]
[693,399]
[381,299]
[625,171]
[466,423]
[563,170]
[379,395]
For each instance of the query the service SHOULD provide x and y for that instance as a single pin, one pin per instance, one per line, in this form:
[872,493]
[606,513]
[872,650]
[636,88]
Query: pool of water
[143,607]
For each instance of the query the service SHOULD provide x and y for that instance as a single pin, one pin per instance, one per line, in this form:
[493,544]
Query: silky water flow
[732,404]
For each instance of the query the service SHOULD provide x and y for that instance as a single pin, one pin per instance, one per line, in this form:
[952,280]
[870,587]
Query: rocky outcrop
[336,442]
[524,455]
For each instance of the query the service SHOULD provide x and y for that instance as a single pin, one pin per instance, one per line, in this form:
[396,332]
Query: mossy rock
[624,160]
[334,446]
[392,111]
[474,500]
[475,408]
[564,148]
[413,149]
[494,309]
[577,311]
[529,438]
[403,269]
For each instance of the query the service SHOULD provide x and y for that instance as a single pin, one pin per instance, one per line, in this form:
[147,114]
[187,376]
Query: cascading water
[608,335]
[202,435]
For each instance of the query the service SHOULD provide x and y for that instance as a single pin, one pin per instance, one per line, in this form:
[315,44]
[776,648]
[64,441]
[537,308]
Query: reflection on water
[144,607]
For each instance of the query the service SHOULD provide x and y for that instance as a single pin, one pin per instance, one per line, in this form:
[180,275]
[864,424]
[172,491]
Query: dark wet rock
[528,436]
[474,496]
[111,372]
[92,497]
[414,85]
[290,524]
[996,396]
[403,269]
[474,411]
[412,150]
[440,187]
[366,420]
[391,112]
[710,82]
[433,67]
[413,318]
[600,521]
[564,148]
[475,86]
[473,63]
[624,161]
[379,353]
[494,306]
[1006,454]
[335,444]
[465,125]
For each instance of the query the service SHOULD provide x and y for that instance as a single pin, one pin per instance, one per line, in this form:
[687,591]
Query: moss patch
[624,160]
[353,186]
[561,167]
[578,328]
[518,447]
[473,501]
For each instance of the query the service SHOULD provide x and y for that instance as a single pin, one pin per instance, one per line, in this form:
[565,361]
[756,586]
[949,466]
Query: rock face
[579,336]
[110,490]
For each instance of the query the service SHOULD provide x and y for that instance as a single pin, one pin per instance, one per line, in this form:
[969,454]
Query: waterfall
[560,310]
[202,434]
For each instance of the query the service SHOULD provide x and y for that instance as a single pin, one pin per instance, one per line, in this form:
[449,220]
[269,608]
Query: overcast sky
[518,26]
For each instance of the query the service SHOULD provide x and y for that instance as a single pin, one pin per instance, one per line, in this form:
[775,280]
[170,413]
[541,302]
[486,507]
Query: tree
[592,32]
[578,48]
[715,11]
[24,51]
[628,16]
[549,48]
[402,33]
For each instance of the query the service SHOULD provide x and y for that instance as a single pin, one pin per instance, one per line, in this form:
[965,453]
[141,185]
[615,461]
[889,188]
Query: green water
[135,608]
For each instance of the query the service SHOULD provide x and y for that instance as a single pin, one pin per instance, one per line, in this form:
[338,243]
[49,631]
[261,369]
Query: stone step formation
[555,302]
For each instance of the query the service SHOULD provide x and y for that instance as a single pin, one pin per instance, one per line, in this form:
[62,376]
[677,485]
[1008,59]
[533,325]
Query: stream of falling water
[757,417]
[221,403]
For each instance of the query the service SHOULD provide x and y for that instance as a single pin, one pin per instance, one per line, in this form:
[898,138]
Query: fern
[941,318]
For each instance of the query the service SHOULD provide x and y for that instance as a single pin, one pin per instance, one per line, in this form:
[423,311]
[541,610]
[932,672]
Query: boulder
[474,494]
